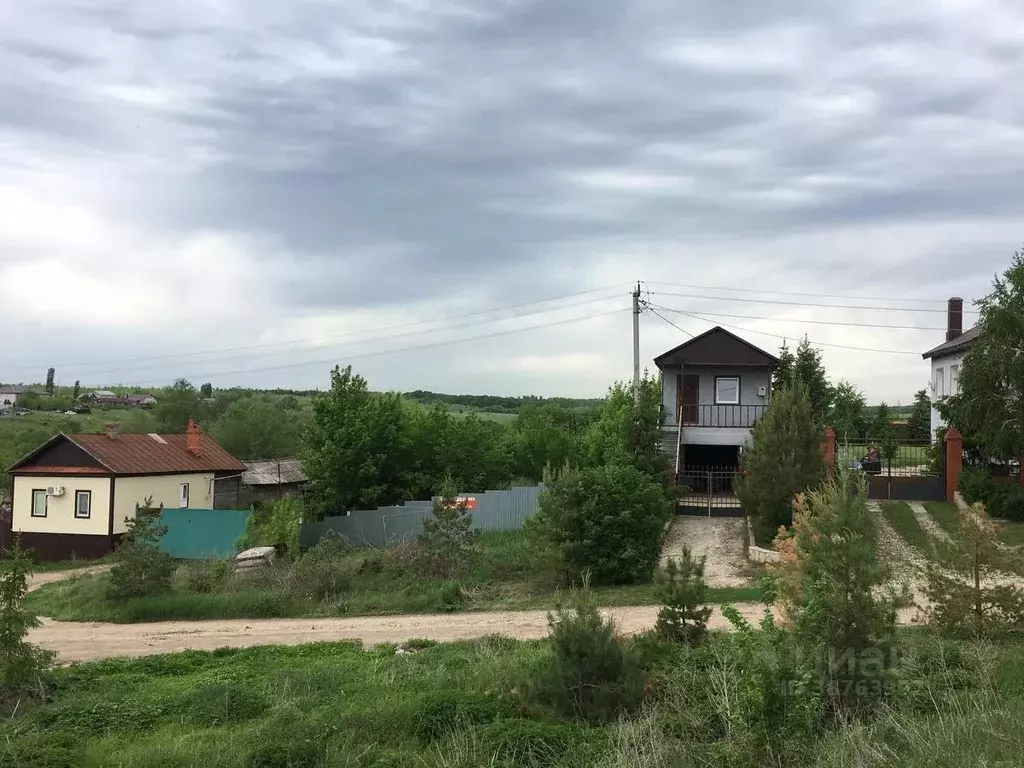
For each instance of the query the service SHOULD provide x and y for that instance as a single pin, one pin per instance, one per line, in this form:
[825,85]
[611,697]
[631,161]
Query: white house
[9,396]
[947,359]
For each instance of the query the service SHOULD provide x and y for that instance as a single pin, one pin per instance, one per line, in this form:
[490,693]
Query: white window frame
[88,505]
[183,496]
[940,382]
[718,399]
[954,379]
[46,502]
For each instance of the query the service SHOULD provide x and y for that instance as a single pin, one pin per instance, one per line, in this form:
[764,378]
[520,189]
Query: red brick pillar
[954,460]
[828,450]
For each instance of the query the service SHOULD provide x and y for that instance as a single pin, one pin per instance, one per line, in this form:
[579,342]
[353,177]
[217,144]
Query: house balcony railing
[738,416]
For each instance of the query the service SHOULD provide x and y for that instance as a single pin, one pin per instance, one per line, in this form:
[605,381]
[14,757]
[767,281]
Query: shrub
[1006,502]
[42,750]
[276,524]
[976,484]
[530,743]
[323,572]
[141,568]
[205,576]
[592,676]
[23,666]
[444,713]
[222,704]
[605,521]
[783,459]
[681,587]
[449,542]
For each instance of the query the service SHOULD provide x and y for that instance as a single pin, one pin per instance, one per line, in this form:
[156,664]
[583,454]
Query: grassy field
[944,513]
[901,517]
[365,582]
[462,706]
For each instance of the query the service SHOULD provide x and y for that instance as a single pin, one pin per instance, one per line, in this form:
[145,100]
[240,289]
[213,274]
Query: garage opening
[708,472]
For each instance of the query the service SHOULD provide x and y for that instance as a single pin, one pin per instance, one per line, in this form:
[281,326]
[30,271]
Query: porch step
[667,444]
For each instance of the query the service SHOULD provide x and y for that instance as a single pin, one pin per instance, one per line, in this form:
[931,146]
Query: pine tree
[22,665]
[449,540]
[783,459]
[77,390]
[684,616]
[50,373]
[919,426]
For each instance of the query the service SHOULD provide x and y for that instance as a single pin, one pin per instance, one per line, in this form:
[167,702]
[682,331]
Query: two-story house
[714,388]
[947,359]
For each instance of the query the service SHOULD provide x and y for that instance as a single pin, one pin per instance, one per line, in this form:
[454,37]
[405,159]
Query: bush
[783,459]
[976,484]
[276,524]
[606,521]
[1006,502]
[42,750]
[681,587]
[222,704]
[592,676]
[323,572]
[442,714]
[205,576]
[141,568]
[530,743]
[23,666]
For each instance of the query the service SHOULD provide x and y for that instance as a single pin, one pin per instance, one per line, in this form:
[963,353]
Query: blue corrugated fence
[199,534]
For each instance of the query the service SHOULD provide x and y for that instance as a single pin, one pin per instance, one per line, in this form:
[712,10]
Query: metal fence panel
[199,534]
[504,510]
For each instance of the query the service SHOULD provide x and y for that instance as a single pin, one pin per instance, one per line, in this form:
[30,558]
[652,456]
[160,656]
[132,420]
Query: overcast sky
[247,192]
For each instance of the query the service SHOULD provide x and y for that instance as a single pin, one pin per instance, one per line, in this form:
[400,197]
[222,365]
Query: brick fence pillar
[954,460]
[828,449]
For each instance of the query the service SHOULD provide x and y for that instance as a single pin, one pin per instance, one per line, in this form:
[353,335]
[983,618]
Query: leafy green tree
[847,416]
[606,521]
[77,390]
[141,568]
[50,373]
[784,458]
[176,406]
[806,367]
[542,435]
[206,390]
[919,425]
[23,666]
[989,408]
[258,427]
[627,429]
[684,615]
[354,450]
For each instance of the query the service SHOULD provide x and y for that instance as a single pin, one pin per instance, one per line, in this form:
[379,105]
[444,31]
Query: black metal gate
[709,491]
[897,471]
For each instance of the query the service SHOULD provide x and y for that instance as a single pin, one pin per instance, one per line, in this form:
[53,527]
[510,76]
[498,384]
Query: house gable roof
[954,346]
[140,455]
[716,347]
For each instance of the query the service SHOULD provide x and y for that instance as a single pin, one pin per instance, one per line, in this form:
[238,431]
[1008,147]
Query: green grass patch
[459,705]
[1010,534]
[375,583]
[901,517]
[945,514]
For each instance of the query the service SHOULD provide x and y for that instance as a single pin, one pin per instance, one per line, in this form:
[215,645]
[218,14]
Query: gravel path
[928,525]
[720,540]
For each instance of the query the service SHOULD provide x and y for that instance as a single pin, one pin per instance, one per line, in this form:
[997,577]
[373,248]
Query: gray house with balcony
[714,388]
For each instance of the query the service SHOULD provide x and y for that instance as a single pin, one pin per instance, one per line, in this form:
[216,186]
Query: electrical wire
[810,341]
[797,293]
[658,314]
[817,322]
[792,303]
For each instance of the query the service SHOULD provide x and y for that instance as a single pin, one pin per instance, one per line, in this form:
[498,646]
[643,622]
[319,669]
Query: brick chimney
[112,429]
[954,318]
[194,438]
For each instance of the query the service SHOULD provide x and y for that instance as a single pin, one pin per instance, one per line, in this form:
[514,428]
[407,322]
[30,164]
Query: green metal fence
[200,534]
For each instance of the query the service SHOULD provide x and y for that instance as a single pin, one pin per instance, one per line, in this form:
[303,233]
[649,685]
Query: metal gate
[709,491]
[897,471]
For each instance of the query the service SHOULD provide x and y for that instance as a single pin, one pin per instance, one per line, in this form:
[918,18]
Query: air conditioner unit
[55,490]
[762,391]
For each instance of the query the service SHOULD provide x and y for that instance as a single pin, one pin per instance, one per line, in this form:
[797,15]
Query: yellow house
[74,494]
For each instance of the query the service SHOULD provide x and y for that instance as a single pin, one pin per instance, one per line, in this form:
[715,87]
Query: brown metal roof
[145,454]
[716,347]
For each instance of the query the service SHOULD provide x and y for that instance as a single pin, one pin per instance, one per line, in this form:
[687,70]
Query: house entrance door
[687,396]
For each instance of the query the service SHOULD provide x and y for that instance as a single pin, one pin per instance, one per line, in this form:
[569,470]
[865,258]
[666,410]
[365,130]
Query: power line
[793,303]
[268,345]
[784,338]
[817,322]
[355,342]
[797,293]
[408,349]
[658,314]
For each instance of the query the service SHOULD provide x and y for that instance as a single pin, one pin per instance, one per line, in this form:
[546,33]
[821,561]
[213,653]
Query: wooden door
[687,393]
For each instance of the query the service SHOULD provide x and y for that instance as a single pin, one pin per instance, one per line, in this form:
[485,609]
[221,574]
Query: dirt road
[81,641]
[36,580]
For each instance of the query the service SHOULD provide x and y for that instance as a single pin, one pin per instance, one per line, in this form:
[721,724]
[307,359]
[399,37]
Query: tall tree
[78,389]
[784,458]
[847,414]
[919,425]
[989,409]
[50,373]
[354,450]
[806,367]
[176,406]
[627,429]
[206,390]
[258,427]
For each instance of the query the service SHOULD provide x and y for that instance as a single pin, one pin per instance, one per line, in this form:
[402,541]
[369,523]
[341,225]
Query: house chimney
[112,429]
[954,318]
[194,438]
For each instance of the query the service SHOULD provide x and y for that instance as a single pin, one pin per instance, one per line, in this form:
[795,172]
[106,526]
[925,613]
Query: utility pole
[636,343]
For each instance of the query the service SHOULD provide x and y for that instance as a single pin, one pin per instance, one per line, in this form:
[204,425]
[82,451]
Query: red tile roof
[155,454]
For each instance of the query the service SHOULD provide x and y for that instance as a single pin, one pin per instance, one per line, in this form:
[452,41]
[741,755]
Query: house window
[83,504]
[727,390]
[940,382]
[183,496]
[38,502]
[954,378]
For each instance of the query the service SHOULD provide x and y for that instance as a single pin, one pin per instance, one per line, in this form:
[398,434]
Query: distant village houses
[104,397]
